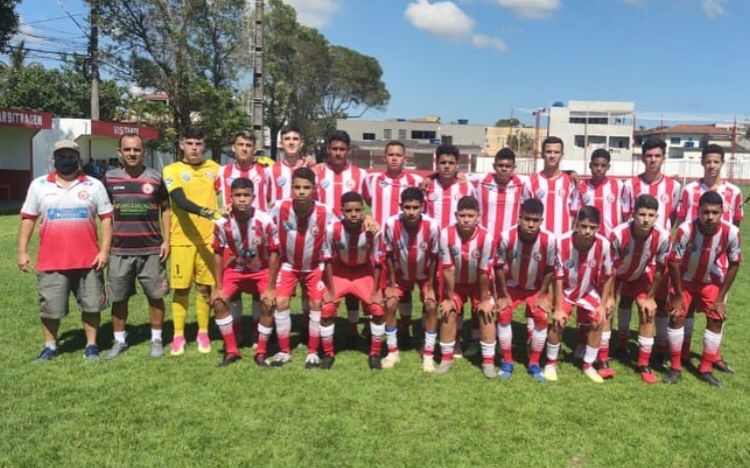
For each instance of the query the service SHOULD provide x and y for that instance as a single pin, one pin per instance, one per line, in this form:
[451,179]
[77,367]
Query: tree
[521,143]
[8,21]
[513,122]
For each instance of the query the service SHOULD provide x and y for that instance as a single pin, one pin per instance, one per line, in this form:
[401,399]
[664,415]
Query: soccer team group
[552,242]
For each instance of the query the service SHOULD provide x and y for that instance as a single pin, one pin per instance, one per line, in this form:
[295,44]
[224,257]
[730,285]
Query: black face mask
[66,167]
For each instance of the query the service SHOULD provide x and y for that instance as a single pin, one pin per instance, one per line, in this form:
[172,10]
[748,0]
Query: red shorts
[465,292]
[703,296]
[357,283]
[250,282]
[312,282]
[518,296]
[637,288]
[585,308]
[404,287]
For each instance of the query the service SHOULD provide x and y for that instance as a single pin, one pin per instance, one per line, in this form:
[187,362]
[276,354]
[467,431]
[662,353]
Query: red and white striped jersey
[302,242]
[350,250]
[331,184]
[383,193]
[631,258]
[525,265]
[442,201]
[560,198]
[666,191]
[250,242]
[687,209]
[499,204]
[470,256]
[279,181]
[256,173]
[583,273]
[698,253]
[605,197]
[412,253]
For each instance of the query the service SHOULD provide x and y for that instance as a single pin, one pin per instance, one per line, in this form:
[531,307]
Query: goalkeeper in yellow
[190,183]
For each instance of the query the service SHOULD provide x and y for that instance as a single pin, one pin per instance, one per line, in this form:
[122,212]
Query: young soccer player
[444,191]
[301,228]
[466,256]
[140,241]
[409,251]
[696,277]
[524,272]
[639,253]
[246,238]
[500,194]
[667,191]
[279,176]
[712,159]
[584,280]
[352,266]
[191,186]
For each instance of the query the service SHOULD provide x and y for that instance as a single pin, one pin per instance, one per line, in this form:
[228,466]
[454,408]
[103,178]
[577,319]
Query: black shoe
[327,362]
[710,379]
[260,360]
[229,359]
[657,360]
[722,366]
[374,362]
[672,377]
[352,341]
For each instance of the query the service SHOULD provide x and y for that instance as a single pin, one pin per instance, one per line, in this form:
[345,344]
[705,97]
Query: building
[519,139]
[17,129]
[684,141]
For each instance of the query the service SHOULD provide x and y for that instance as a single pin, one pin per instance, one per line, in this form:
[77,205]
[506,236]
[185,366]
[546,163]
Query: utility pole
[94,55]
[257,96]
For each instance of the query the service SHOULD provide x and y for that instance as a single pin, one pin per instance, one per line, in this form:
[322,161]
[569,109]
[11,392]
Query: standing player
[352,255]
[639,253]
[524,273]
[712,159]
[697,278]
[500,194]
[247,238]
[279,176]
[443,192]
[409,252]
[584,280]
[301,226]
[70,257]
[667,191]
[466,255]
[191,185]
[138,248]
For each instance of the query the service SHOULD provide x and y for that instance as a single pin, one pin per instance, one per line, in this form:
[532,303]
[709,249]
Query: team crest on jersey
[384,183]
[325,183]
[320,286]
[209,174]
[537,257]
[476,254]
[570,264]
[148,189]
[256,179]
[423,246]
[288,226]
[691,247]
[665,198]
[315,231]
[541,193]
[83,195]
[340,245]
[282,181]
[185,176]
[592,263]
[257,240]
[491,187]
[561,193]
[168,181]
[350,183]
[611,198]
[455,251]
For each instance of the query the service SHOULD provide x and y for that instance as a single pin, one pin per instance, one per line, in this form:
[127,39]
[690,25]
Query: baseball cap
[66,144]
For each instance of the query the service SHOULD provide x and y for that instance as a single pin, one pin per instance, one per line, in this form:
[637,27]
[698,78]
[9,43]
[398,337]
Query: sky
[678,60]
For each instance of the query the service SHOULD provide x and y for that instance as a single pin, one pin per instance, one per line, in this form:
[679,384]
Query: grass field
[185,411]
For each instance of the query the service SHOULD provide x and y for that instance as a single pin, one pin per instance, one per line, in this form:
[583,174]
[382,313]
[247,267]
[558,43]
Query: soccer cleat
[672,377]
[647,375]
[116,349]
[312,361]
[428,364]
[260,360]
[579,351]
[488,370]
[375,363]
[506,370]
[550,372]
[157,348]
[536,373]
[178,346]
[444,367]
[204,343]
[593,375]
[391,360]
[710,379]
[327,362]
[46,355]
[279,359]
[229,359]
[722,366]
[605,371]
[91,353]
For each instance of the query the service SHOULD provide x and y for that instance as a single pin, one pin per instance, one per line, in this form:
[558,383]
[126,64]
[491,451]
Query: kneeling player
[352,251]
[584,280]
[466,255]
[249,236]
[410,247]
[525,268]
[636,246]
[697,278]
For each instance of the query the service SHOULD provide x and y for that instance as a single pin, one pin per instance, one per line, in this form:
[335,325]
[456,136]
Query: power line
[72,18]
[47,20]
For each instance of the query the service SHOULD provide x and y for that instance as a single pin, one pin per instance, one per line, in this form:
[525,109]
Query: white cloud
[713,8]
[29,35]
[534,9]
[315,13]
[444,19]
[488,42]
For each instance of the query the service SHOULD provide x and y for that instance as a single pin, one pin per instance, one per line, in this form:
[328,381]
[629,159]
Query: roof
[687,129]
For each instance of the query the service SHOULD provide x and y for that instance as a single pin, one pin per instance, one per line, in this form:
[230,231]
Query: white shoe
[390,360]
[445,366]
[428,364]
[312,361]
[592,374]
[550,373]
[279,359]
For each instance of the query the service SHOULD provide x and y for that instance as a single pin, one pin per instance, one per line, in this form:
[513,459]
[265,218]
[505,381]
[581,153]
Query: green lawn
[185,411]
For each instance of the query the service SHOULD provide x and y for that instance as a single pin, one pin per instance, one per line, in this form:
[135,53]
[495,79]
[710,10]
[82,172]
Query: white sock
[391,337]
[429,341]
[590,356]
[120,337]
[606,336]
[447,348]
[529,324]
[283,321]
[262,330]
[538,337]
[377,330]
[552,351]
[488,349]
[645,343]
[505,336]
[52,344]
[676,338]
[155,334]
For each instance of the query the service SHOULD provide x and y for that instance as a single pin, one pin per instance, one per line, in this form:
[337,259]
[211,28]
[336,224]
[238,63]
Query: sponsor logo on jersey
[325,183]
[455,251]
[282,181]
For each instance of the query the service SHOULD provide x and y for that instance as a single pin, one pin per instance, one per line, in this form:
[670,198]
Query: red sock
[534,357]
[262,344]
[237,329]
[227,333]
[604,351]
[376,344]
